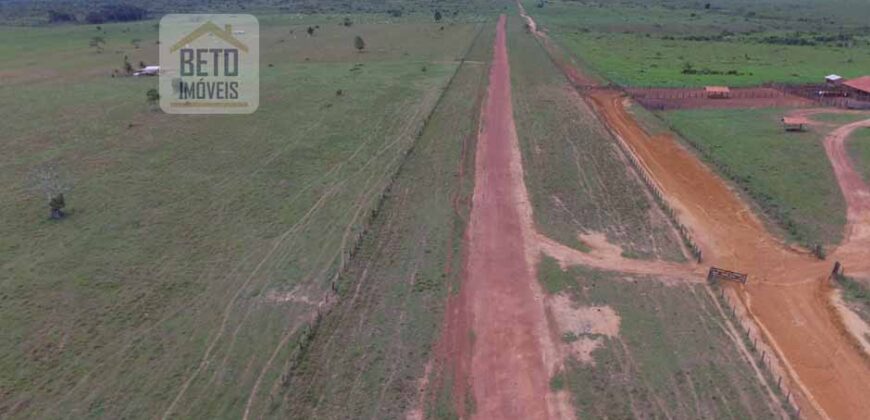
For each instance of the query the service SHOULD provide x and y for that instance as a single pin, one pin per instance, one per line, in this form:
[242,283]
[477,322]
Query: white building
[148,71]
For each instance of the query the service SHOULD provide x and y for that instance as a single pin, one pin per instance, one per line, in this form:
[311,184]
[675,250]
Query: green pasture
[196,247]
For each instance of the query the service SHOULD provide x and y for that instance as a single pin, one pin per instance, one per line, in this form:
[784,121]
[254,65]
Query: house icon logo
[209,64]
[210,28]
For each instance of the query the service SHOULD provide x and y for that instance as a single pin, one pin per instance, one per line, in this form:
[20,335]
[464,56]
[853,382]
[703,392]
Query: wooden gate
[716,274]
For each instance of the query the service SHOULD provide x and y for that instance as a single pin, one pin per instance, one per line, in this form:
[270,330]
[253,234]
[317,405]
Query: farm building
[148,71]
[794,124]
[858,88]
[833,79]
[717,92]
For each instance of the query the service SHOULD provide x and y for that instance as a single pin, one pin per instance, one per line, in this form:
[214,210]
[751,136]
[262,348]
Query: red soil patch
[685,98]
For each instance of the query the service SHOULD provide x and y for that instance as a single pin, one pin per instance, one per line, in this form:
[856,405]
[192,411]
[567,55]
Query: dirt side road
[855,251]
[787,292]
[788,295]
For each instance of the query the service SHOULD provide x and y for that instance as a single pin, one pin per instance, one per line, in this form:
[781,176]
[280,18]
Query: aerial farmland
[406,209]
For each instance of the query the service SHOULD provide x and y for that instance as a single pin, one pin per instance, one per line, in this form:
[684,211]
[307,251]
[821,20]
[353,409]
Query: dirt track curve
[788,295]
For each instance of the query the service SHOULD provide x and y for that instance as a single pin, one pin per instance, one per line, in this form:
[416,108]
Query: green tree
[359,43]
[128,68]
[97,43]
[437,16]
[152,95]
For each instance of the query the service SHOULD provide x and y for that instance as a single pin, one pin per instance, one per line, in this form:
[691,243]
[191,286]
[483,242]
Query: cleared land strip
[498,324]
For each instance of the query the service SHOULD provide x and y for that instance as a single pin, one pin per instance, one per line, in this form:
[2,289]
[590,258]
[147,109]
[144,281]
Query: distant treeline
[106,11]
[105,14]
[796,38]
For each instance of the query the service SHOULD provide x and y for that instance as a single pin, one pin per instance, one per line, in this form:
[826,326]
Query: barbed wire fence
[763,353]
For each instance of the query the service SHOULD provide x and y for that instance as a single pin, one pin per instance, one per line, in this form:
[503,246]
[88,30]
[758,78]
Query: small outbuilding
[717,92]
[794,124]
[148,71]
[833,80]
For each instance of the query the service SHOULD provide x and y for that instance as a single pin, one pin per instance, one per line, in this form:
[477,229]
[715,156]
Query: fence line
[753,337]
[641,171]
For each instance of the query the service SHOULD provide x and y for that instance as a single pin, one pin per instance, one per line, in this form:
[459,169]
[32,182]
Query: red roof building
[861,84]
[717,92]
[795,124]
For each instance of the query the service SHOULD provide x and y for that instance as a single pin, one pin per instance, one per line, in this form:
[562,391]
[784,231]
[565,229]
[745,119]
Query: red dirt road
[855,190]
[787,293]
[855,249]
[508,373]
[499,339]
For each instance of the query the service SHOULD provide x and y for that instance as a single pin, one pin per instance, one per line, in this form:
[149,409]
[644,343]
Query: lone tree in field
[97,43]
[310,31]
[128,68]
[437,16]
[153,97]
[47,182]
[347,22]
[359,43]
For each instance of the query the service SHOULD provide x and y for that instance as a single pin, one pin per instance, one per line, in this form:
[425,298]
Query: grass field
[787,174]
[856,294]
[576,178]
[652,45]
[370,352]
[673,356]
[196,247]
[859,149]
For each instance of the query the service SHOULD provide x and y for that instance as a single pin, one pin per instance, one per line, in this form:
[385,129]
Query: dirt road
[857,194]
[509,376]
[787,293]
[498,334]
[787,296]
[856,244]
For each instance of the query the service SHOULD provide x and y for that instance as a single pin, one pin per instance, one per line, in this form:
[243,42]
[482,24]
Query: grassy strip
[369,352]
[856,294]
[194,233]
[651,45]
[858,148]
[671,358]
[575,174]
